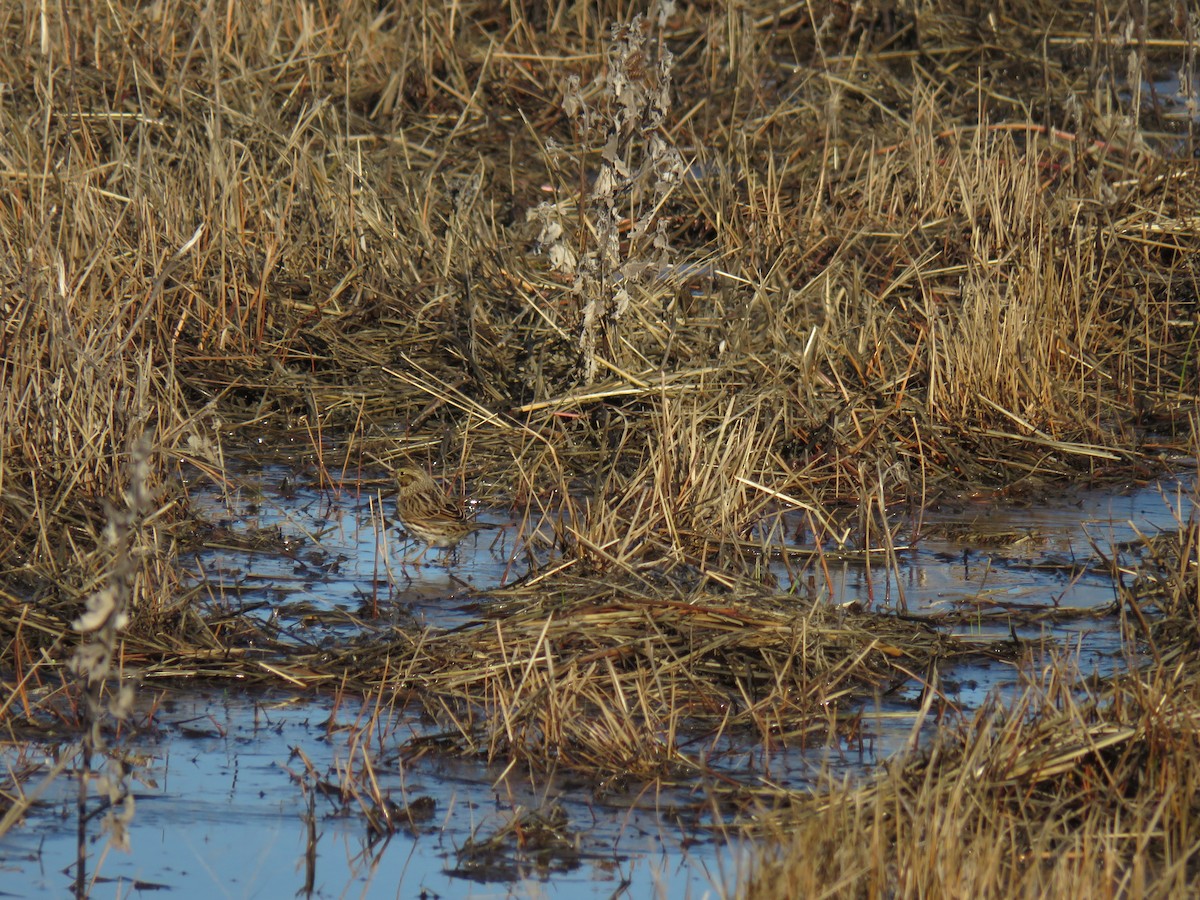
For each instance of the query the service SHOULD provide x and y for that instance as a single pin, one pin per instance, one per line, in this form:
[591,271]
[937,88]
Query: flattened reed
[612,677]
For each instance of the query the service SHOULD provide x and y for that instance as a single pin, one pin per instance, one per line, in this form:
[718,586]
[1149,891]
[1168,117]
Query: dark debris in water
[532,843]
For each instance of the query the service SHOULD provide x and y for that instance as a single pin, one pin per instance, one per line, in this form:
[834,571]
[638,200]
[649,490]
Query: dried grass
[850,255]
[1052,795]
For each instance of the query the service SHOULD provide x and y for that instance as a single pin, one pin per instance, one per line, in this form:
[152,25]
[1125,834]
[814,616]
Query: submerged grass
[653,280]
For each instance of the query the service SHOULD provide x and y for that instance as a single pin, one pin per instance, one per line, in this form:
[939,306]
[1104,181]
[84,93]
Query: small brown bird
[426,512]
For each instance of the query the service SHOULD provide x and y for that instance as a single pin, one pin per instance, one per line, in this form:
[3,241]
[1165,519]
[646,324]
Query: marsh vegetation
[687,296]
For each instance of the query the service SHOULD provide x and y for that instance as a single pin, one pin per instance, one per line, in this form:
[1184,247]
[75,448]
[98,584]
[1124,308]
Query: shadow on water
[241,794]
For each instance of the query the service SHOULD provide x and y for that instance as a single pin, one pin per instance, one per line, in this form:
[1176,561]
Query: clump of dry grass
[1054,794]
[613,677]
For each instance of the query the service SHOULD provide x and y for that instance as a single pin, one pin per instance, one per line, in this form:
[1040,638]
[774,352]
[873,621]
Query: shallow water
[223,815]
[227,777]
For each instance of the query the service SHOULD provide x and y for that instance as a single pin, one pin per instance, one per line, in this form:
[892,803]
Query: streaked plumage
[425,511]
